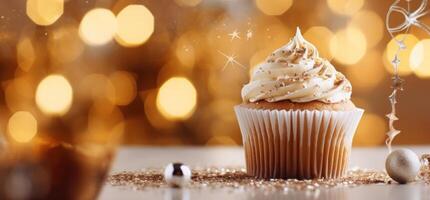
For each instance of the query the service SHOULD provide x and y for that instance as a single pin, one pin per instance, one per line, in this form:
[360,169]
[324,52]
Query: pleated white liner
[297,144]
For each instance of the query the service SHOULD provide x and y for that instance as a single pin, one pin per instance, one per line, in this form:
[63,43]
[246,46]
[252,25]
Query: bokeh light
[273,7]
[185,51]
[64,44]
[373,31]
[119,59]
[257,58]
[177,98]
[371,130]
[190,3]
[22,126]
[404,55]
[54,95]
[19,93]
[44,12]
[320,36]
[154,116]
[275,35]
[26,54]
[123,90]
[371,66]
[135,25]
[98,26]
[420,59]
[348,45]
[100,90]
[345,7]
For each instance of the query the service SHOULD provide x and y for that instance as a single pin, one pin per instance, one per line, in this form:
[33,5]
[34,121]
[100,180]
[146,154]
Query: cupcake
[297,119]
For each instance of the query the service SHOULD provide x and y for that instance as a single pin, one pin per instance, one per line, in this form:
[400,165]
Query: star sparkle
[230,60]
[234,35]
[249,34]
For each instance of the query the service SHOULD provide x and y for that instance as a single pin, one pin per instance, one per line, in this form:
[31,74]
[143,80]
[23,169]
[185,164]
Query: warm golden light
[371,66]
[345,7]
[404,55]
[19,93]
[348,45]
[419,59]
[22,126]
[185,51]
[177,98]
[190,3]
[98,26]
[26,54]
[274,7]
[64,44]
[54,95]
[221,140]
[371,24]
[320,36]
[135,25]
[257,58]
[123,90]
[44,12]
[371,130]
[275,35]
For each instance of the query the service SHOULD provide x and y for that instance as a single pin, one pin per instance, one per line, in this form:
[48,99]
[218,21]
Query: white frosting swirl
[295,72]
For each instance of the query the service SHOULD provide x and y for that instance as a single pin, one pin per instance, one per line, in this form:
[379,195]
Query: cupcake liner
[300,144]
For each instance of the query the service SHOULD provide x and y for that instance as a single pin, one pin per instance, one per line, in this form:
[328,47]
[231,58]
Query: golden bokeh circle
[44,12]
[419,59]
[135,25]
[98,27]
[123,90]
[22,126]
[348,45]
[54,95]
[25,54]
[371,24]
[371,66]
[64,44]
[177,98]
[320,36]
[404,55]
[345,7]
[273,7]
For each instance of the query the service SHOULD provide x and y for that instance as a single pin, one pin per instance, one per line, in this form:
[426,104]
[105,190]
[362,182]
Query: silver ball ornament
[402,165]
[177,175]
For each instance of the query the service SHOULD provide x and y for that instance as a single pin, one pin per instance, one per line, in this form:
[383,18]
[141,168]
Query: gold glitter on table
[236,178]
[425,168]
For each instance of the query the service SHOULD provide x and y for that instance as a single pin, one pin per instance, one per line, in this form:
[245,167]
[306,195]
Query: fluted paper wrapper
[299,144]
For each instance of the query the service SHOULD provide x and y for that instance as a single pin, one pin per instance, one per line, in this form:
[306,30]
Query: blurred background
[170,71]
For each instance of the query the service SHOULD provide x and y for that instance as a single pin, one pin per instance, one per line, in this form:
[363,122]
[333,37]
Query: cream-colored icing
[295,72]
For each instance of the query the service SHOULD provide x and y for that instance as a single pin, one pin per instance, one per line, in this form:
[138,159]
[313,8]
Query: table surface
[135,158]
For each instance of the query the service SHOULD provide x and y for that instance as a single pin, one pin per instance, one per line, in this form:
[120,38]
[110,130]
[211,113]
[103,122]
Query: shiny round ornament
[402,165]
[177,175]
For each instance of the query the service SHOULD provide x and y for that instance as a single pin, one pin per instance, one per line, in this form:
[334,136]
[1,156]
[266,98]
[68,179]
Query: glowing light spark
[234,35]
[230,60]
[249,34]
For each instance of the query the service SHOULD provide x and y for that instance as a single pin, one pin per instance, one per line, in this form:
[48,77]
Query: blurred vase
[61,122]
